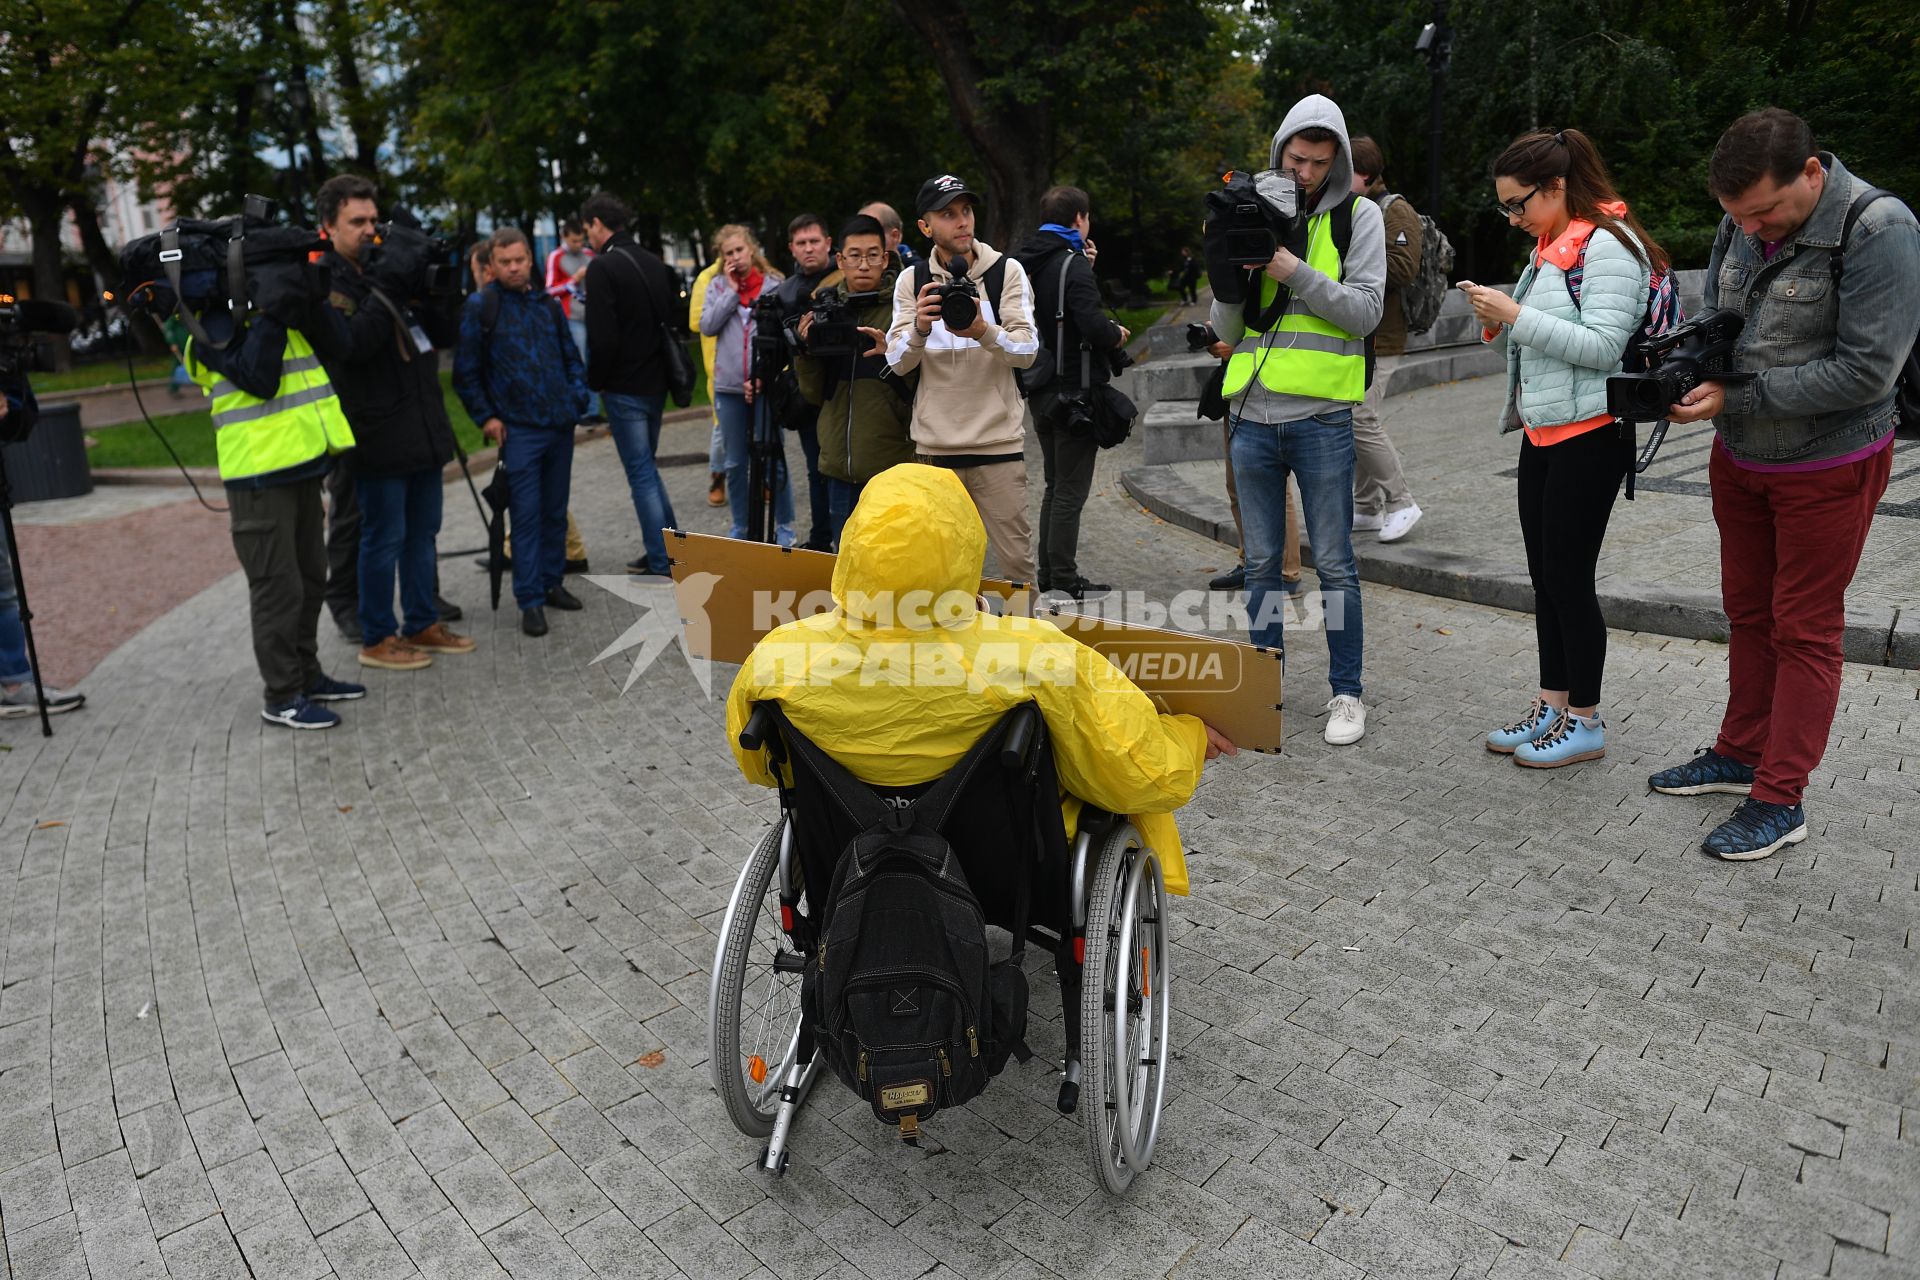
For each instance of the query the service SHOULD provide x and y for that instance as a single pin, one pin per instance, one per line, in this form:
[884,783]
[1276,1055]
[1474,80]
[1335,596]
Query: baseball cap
[938,193]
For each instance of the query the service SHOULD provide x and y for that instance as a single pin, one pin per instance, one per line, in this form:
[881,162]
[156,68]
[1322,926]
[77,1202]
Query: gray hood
[1317,109]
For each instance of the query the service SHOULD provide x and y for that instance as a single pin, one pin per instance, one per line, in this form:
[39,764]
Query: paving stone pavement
[425,994]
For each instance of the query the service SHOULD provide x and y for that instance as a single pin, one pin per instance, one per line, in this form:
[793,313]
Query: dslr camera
[1201,336]
[20,320]
[836,325]
[959,303]
[1701,350]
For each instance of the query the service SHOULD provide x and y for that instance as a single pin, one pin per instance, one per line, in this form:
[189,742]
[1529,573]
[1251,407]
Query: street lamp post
[1436,42]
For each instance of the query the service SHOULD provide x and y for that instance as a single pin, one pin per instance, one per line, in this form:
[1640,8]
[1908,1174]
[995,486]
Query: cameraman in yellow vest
[276,424]
[1299,366]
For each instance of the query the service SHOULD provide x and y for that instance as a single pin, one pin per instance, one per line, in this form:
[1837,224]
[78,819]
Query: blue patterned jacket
[528,373]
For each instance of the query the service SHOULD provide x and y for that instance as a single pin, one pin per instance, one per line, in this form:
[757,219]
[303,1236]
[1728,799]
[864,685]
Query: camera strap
[170,257]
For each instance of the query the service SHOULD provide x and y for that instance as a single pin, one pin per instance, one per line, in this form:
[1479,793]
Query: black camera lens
[958,310]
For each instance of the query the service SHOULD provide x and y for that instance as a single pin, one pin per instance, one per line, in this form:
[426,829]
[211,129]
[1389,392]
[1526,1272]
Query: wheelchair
[1097,904]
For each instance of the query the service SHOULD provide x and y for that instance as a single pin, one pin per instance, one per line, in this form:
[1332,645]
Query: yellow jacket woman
[906,672]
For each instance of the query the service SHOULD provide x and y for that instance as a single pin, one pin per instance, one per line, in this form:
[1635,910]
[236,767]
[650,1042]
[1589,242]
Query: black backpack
[1906,387]
[905,1005]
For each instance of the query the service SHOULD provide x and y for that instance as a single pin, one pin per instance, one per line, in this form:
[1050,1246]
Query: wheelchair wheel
[753,1010]
[1124,1009]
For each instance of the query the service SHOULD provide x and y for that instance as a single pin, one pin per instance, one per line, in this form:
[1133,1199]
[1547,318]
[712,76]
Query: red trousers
[1789,544]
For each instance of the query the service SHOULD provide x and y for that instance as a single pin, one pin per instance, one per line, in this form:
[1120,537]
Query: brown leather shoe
[717,490]
[394,654]
[437,639]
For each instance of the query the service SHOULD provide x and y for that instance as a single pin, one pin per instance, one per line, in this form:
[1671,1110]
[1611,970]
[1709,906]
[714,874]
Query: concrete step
[1174,431]
[1179,377]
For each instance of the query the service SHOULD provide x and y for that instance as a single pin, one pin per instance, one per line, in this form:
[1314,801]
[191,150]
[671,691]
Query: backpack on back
[1906,386]
[1663,314]
[907,1007]
[1421,299]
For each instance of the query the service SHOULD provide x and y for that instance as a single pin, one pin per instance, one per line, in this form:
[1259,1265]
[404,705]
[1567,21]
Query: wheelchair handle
[758,729]
[1013,751]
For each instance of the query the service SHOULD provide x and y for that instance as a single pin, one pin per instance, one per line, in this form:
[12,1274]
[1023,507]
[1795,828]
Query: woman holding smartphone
[727,317]
[1580,299]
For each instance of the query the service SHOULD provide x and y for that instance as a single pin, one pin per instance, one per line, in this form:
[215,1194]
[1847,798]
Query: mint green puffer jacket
[1558,354]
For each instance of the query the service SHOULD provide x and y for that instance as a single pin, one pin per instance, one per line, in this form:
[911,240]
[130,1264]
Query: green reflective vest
[253,437]
[1302,355]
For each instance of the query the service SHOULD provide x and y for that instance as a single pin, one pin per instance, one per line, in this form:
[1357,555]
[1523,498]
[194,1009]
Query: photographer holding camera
[387,376]
[1058,261]
[964,319]
[1825,272]
[1299,366]
[864,406]
[812,250]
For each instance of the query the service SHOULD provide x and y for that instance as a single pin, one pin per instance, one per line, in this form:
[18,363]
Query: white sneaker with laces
[1364,523]
[1346,720]
[1399,524]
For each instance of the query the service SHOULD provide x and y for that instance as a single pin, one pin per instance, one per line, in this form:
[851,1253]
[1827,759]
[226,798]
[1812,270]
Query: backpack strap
[1060,320]
[994,283]
[1837,256]
[922,277]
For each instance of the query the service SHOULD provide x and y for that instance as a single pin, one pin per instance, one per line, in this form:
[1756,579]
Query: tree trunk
[45,211]
[1011,142]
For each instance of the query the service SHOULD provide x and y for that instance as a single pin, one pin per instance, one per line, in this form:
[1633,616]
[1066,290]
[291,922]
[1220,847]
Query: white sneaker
[1346,720]
[1364,523]
[1399,524]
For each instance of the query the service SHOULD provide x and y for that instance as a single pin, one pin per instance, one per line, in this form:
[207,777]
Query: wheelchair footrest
[1069,1097]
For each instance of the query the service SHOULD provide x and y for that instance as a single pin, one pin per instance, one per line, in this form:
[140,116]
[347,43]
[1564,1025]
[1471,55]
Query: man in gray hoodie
[1298,368]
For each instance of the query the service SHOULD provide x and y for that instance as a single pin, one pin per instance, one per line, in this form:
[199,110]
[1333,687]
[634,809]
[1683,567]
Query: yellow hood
[914,530]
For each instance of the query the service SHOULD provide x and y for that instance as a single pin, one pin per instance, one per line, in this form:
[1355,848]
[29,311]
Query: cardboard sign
[732,592]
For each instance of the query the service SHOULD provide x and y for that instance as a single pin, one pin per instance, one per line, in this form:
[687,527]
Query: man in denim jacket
[1802,454]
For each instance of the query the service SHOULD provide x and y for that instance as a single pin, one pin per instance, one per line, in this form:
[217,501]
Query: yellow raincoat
[896,688]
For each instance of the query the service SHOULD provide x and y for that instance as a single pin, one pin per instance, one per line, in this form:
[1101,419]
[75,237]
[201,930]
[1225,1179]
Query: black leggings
[1566,496]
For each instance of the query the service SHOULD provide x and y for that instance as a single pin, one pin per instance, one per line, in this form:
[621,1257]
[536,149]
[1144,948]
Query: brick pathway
[426,994]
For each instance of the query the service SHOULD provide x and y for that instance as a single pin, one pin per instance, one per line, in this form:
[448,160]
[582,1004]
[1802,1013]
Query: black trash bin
[51,462]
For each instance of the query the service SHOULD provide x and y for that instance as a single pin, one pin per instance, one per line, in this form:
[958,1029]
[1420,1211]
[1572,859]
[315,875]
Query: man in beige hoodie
[967,414]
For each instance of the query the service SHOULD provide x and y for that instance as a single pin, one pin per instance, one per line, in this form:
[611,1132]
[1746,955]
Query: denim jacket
[1824,361]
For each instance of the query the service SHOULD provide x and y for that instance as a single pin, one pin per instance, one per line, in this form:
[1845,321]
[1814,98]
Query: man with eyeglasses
[812,250]
[1298,368]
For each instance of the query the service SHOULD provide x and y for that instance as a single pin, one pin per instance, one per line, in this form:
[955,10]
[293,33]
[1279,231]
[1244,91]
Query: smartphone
[1465,285]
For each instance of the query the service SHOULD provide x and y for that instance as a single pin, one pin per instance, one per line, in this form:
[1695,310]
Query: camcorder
[1674,363]
[20,320]
[410,262]
[835,331]
[244,263]
[1249,216]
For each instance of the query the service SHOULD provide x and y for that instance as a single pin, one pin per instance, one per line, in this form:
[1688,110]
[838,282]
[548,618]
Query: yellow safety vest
[1302,355]
[253,437]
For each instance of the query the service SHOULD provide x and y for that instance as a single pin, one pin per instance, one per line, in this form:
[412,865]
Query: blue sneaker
[1707,772]
[1570,740]
[1536,722]
[300,714]
[327,689]
[1756,829]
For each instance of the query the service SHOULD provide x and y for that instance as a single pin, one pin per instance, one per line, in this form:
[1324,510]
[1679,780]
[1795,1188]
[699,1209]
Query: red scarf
[750,288]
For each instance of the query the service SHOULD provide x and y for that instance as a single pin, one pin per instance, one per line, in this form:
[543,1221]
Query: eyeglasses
[1517,208]
[863,258]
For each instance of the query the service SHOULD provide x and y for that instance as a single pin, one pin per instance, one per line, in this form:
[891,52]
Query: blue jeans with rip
[635,423]
[399,522]
[1318,452]
[736,424]
[539,463]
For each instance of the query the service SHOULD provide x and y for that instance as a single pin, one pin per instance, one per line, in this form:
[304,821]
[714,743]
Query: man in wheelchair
[893,701]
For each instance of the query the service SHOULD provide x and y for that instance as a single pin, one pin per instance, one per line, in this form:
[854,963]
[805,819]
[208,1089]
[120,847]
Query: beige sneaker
[394,654]
[437,639]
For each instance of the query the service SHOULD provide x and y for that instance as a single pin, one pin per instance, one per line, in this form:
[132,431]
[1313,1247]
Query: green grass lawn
[1137,319]
[100,374]
[191,433]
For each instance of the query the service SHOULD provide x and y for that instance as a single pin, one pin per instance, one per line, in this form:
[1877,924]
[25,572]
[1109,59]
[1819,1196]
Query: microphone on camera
[36,316]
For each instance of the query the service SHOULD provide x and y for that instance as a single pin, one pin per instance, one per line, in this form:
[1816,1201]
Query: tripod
[20,592]
[767,465]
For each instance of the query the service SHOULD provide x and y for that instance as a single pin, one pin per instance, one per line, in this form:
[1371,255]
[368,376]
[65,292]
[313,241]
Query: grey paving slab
[428,992]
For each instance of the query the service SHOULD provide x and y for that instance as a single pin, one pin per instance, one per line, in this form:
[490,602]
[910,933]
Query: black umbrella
[496,494]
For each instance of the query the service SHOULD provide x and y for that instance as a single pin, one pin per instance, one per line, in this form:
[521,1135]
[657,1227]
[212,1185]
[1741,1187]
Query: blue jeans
[841,496]
[736,424]
[577,326]
[817,532]
[539,463]
[635,421]
[1318,452]
[14,667]
[399,520]
[717,449]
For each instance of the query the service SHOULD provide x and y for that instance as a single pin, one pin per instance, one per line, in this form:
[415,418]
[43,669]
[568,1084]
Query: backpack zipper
[973,1043]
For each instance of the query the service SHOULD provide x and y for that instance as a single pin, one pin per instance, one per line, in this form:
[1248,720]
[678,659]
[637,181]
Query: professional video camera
[411,262]
[244,263]
[1676,362]
[20,320]
[836,323]
[1251,215]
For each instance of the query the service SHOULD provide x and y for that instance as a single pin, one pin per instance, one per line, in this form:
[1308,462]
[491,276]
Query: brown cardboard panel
[730,593]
